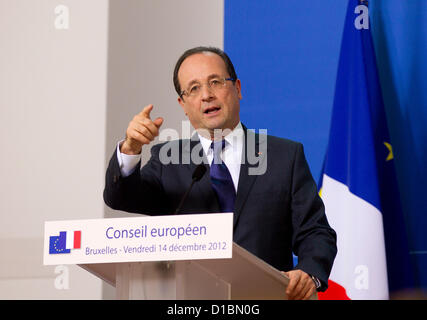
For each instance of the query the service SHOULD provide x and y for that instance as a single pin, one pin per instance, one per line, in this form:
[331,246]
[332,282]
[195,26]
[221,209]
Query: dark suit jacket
[276,213]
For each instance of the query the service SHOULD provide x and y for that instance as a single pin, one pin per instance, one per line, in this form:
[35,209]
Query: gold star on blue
[390,151]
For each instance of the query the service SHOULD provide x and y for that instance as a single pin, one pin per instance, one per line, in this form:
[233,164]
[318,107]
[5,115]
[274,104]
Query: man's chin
[214,124]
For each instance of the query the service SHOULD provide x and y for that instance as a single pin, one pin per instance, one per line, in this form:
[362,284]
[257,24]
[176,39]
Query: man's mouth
[211,110]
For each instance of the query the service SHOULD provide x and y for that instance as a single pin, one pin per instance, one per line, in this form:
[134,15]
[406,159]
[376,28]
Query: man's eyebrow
[211,76]
[214,76]
[193,82]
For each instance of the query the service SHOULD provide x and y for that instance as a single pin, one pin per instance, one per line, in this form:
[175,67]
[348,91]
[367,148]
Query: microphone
[198,173]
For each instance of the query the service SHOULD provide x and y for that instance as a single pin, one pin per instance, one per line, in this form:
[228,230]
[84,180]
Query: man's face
[211,109]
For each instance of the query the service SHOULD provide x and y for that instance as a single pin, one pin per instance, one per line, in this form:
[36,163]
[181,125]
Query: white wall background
[66,97]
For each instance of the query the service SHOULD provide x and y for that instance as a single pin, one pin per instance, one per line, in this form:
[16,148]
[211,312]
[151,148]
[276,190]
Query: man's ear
[238,86]
[182,104]
[181,101]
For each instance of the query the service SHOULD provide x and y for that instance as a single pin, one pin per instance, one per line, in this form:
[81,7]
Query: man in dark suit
[263,179]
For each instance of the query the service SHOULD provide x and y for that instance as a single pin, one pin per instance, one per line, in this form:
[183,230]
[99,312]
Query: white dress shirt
[231,155]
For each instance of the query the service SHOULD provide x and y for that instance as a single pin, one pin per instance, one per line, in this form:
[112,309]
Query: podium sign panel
[165,257]
[148,238]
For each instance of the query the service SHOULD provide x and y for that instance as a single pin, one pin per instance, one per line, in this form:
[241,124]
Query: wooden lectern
[244,276]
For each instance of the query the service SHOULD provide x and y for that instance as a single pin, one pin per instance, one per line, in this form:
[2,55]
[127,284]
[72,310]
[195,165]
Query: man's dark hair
[190,52]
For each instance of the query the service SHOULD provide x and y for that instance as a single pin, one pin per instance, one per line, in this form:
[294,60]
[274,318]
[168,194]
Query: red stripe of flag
[77,239]
[334,292]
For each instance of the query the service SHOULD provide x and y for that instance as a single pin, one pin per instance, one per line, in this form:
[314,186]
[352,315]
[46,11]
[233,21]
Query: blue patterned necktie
[221,179]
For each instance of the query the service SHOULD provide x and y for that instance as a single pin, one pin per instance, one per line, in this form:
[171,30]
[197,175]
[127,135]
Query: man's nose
[207,93]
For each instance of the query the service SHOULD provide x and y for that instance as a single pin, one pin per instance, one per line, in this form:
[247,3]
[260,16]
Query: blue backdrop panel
[286,55]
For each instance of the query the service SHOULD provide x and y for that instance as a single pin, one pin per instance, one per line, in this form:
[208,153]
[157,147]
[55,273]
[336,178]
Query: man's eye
[194,89]
[215,82]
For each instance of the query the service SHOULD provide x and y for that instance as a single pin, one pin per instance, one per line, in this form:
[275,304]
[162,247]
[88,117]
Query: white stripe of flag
[360,264]
[73,240]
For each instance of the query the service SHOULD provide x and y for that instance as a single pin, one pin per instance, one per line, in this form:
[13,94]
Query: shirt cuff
[127,162]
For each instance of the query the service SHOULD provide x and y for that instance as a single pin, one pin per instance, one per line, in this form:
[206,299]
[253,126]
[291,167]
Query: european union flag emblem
[57,244]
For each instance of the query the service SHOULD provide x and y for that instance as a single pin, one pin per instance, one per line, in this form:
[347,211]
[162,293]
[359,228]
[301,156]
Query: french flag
[358,186]
[73,240]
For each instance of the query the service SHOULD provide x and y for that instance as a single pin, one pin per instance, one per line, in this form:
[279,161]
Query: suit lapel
[246,180]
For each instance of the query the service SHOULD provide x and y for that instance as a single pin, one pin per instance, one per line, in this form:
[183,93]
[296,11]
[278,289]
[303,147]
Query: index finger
[293,281]
[146,111]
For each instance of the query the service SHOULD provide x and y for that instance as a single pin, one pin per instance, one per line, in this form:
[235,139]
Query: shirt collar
[234,138]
